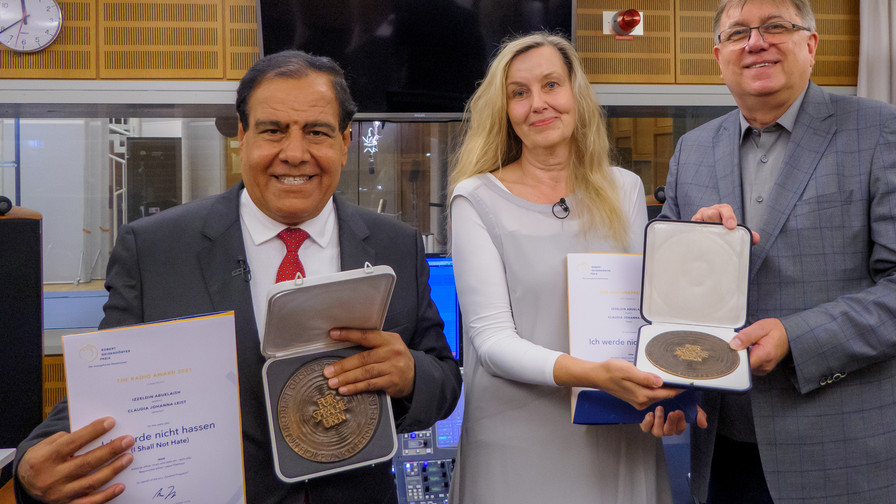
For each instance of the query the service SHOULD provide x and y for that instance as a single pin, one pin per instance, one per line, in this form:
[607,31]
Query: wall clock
[29,25]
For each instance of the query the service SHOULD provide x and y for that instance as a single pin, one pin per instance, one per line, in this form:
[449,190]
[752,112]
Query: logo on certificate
[88,353]
[583,269]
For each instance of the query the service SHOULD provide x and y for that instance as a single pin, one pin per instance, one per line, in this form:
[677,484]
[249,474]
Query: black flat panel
[406,56]
[21,329]
[153,175]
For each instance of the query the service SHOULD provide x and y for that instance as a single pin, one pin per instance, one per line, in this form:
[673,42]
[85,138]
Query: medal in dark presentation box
[694,299]
[316,431]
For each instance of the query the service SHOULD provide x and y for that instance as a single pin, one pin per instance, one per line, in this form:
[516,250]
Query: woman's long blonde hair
[490,143]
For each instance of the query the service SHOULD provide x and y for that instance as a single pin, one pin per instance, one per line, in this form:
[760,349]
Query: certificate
[604,320]
[173,386]
[604,305]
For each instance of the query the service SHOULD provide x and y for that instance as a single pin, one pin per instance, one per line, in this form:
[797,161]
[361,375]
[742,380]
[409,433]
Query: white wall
[53,160]
[7,159]
[65,175]
[203,159]
[97,218]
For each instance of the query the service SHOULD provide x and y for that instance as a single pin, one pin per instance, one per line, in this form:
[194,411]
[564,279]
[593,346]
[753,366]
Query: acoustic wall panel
[837,56]
[643,59]
[241,37]
[694,61]
[54,382]
[161,39]
[71,56]
[836,59]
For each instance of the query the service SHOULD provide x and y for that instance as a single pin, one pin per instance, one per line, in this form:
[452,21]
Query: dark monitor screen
[444,295]
[406,56]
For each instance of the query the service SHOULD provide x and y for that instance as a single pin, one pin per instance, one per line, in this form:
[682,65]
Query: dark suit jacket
[181,262]
[826,267]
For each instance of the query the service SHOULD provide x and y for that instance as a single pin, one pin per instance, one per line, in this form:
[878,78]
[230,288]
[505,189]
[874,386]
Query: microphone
[243,269]
[563,211]
[660,194]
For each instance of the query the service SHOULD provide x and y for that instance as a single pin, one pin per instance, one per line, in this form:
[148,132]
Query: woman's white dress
[518,444]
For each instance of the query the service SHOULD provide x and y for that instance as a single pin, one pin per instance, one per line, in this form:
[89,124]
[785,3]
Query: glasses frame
[794,28]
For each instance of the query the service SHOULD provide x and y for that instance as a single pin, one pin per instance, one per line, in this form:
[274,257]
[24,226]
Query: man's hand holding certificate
[173,387]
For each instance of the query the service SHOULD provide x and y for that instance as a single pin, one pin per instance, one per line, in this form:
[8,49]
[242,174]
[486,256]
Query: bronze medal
[320,424]
[691,354]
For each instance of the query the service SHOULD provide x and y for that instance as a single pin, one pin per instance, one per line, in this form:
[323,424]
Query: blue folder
[596,407]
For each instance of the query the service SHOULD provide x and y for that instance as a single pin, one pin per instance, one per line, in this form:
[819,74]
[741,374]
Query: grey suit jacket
[825,267]
[185,261]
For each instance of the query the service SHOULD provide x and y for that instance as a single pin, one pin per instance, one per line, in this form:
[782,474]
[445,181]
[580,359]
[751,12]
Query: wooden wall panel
[643,145]
[54,382]
[240,37]
[161,39]
[836,60]
[217,39]
[72,55]
[694,62]
[837,56]
[647,59]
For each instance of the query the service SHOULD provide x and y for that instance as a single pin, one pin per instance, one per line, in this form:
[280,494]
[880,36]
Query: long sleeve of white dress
[485,303]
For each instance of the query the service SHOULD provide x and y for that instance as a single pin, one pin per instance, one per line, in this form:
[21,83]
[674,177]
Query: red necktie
[291,265]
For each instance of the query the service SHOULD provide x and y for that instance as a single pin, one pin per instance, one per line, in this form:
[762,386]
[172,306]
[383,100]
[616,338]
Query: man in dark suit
[222,253]
[814,175]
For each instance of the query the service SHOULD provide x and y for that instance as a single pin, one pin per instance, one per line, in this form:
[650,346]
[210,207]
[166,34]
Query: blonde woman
[531,182]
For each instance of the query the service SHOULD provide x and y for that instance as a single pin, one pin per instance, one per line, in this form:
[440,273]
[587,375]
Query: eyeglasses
[773,32]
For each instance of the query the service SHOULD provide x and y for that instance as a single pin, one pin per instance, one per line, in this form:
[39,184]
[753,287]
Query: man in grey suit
[814,176]
[222,253]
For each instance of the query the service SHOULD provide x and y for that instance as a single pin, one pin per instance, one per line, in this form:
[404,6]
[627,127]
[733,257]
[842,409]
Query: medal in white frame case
[694,299]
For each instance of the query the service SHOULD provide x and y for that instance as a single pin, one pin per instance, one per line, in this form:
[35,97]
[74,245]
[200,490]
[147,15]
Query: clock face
[29,25]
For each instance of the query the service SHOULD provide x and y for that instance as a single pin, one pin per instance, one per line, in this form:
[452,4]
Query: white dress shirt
[264,250]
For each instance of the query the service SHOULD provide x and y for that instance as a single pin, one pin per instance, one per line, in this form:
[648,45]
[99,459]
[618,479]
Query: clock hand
[10,26]
[24,13]
[18,33]
[20,30]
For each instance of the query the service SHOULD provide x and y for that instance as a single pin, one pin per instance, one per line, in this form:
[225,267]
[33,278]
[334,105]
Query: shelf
[6,456]
[672,100]
[32,98]
[28,98]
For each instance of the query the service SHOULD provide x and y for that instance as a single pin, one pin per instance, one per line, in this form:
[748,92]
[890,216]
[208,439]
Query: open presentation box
[314,430]
[694,299]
